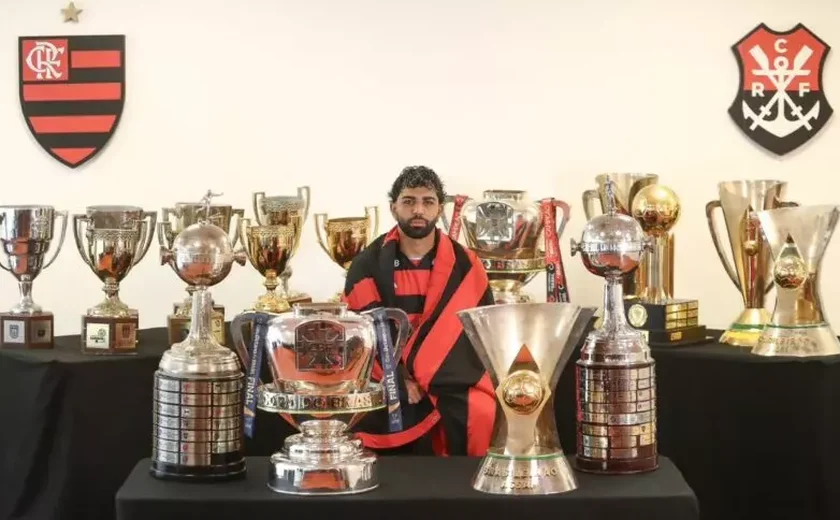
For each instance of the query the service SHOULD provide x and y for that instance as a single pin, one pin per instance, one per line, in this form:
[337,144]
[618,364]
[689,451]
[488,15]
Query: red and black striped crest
[72,92]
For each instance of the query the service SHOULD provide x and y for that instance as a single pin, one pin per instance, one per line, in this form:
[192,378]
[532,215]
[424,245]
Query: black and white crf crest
[781,100]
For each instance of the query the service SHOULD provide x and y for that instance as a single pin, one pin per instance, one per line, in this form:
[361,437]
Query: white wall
[340,95]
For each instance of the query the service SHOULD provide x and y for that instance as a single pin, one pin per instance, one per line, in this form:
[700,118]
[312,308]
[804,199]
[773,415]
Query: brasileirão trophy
[26,235]
[616,390]
[176,219]
[321,356]
[111,241]
[345,237]
[753,262]
[798,238]
[664,319]
[197,415]
[525,347]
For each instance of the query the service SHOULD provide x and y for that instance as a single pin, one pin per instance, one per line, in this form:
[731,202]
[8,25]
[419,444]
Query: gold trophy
[112,240]
[176,219]
[524,347]
[798,238]
[290,211]
[346,237]
[753,262]
[664,320]
[269,249]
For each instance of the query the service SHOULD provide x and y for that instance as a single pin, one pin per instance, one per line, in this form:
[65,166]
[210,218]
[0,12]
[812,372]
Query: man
[447,399]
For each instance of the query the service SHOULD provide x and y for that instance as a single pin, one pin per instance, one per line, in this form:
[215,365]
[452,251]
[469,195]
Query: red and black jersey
[438,355]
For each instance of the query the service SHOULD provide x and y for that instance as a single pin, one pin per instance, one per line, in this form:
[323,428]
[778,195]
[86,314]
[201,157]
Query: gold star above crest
[70,13]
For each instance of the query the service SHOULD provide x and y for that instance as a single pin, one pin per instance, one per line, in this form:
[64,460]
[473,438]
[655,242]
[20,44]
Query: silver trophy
[26,234]
[197,416]
[616,392]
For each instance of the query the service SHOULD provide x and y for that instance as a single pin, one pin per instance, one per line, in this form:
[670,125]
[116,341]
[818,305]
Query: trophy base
[501,474]
[616,430]
[298,471]
[104,335]
[677,338]
[294,298]
[26,331]
[667,324]
[797,341]
[506,297]
[178,327]
[746,330]
[198,429]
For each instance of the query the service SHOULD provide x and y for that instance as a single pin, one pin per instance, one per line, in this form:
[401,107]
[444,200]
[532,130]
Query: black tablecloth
[410,487]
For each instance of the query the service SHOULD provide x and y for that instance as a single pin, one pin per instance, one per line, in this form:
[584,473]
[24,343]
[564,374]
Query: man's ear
[393,208]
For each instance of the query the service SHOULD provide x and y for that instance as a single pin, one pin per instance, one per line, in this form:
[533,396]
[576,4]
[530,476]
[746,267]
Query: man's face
[416,211]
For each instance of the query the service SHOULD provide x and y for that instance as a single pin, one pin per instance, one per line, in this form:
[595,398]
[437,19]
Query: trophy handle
[234,228]
[63,216]
[445,221]
[257,198]
[321,222]
[147,233]
[239,321]
[374,224]
[80,222]
[564,207]
[165,234]
[403,330]
[2,265]
[242,233]
[589,199]
[730,270]
[304,193]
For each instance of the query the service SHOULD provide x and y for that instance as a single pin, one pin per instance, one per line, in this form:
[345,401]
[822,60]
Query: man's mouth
[418,223]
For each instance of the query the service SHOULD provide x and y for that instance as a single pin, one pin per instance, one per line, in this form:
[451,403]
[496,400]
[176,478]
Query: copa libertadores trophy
[753,262]
[197,415]
[525,347]
[26,234]
[111,241]
[664,319]
[343,238]
[321,356]
[616,390]
[798,238]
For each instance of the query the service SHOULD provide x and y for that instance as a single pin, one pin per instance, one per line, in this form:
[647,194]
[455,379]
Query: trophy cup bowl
[26,235]
[524,348]
[798,238]
[269,249]
[285,210]
[752,265]
[111,240]
[321,357]
[504,230]
[344,238]
[198,385]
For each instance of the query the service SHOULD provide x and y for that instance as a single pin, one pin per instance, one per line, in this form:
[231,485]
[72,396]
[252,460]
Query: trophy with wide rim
[269,249]
[343,238]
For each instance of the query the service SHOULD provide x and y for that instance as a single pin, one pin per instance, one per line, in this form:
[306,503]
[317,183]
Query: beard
[416,232]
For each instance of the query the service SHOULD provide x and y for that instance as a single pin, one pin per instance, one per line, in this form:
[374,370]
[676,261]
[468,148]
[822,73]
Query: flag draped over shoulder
[459,398]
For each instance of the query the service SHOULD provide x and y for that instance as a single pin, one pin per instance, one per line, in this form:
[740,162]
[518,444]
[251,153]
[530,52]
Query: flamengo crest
[780,103]
[72,92]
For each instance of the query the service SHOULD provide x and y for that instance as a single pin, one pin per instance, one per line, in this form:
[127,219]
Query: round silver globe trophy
[197,415]
[616,391]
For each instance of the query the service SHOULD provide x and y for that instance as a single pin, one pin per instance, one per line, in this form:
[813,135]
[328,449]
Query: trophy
[798,238]
[751,273]
[664,320]
[346,237]
[285,210]
[321,356]
[111,241]
[504,229]
[176,219]
[524,348]
[26,234]
[197,415]
[616,391]
[269,249]
[625,188]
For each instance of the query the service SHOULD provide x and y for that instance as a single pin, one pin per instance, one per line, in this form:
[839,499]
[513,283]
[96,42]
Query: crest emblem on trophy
[72,92]
[320,346]
[781,101]
[494,222]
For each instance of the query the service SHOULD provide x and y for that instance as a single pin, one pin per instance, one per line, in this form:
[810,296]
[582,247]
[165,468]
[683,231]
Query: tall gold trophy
[753,260]
[345,237]
[664,320]
[269,249]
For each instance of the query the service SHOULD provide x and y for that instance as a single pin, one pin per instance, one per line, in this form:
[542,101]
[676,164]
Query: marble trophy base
[746,329]
[797,341]
[26,331]
[109,335]
[670,324]
[197,428]
[178,326]
[541,474]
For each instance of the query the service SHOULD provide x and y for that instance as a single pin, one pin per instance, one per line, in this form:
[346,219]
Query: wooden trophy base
[179,326]
[109,335]
[299,298]
[669,324]
[26,331]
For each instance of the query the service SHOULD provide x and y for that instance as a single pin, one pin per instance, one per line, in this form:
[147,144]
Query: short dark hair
[417,177]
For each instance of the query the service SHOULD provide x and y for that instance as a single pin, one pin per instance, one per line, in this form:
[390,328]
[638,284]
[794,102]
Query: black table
[411,487]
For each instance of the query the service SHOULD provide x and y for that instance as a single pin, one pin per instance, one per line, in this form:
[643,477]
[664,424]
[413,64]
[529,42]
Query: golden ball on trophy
[656,208]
